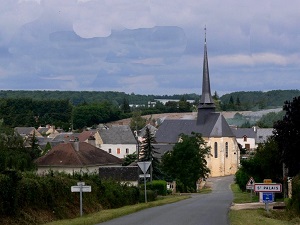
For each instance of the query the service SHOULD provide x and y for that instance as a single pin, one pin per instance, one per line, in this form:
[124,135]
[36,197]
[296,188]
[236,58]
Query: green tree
[13,154]
[137,122]
[287,136]
[148,152]
[187,163]
[266,163]
[130,158]
[125,106]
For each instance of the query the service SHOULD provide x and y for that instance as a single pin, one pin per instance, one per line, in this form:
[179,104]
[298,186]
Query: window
[226,149]
[245,138]
[118,151]
[109,150]
[216,150]
[127,150]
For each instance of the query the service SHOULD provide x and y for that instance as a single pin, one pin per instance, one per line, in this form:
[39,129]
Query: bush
[151,195]
[241,179]
[294,203]
[160,186]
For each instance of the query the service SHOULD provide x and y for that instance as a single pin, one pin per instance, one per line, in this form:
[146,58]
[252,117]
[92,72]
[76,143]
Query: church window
[216,150]
[109,150]
[226,149]
[245,138]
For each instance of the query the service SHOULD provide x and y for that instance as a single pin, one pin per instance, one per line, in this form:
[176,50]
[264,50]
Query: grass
[258,216]
[242,197]
[106,215]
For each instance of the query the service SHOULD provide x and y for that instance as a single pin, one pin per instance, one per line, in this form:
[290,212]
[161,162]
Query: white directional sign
[263,187]
[144,166]
[144,175]
[83,188]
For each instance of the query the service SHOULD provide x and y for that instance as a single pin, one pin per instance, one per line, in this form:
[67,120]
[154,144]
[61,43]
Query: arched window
[245,138]
[226,149]
[216,150]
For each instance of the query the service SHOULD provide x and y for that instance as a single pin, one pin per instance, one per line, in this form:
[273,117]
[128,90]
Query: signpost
[267,190]
[250,185]
[144,167]
[81,187]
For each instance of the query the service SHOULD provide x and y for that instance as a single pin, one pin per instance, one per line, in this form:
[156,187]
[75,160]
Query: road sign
[144,175]
[250,183]
[263,187]
[268,197]
[269,181]
[83,188]
[144,166]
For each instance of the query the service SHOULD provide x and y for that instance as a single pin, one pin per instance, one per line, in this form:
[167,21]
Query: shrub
[151,195]
[160,186]
[294,203]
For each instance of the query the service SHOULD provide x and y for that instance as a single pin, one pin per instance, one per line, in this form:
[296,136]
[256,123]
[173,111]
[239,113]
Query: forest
[76,110]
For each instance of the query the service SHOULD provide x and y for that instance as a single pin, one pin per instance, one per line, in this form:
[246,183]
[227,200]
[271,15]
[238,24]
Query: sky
[149,46]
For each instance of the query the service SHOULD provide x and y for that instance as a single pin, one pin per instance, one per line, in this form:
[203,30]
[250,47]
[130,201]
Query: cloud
[130,44]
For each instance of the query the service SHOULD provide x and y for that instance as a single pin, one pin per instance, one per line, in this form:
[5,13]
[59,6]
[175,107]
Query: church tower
[206,104]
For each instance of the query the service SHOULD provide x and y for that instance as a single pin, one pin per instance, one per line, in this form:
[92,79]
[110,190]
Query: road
[201,209]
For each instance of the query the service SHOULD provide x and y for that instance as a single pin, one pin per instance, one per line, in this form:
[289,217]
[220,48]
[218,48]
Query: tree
[137,122]
[148,152]
[130,158]
[266,163]
[125,106]
[187,163]
[287,136]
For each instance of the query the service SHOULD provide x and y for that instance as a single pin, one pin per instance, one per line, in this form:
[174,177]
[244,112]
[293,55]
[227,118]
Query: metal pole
[145,187]
[80,199]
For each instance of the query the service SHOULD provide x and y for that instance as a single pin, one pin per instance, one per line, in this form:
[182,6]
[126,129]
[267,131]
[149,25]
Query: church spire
[206,98]
[206,104]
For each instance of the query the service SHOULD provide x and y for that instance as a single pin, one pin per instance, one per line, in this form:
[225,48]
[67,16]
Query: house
[224,159]
[90,136]
[262,135]
[117,140]
[75,157]
[48,130]
[26,132]
[246,137]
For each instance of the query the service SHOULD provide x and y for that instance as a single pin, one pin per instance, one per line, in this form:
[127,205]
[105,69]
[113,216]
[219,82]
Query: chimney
[75,144]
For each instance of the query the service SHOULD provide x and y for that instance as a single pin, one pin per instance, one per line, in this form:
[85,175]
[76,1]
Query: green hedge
[52,192]
[160,186]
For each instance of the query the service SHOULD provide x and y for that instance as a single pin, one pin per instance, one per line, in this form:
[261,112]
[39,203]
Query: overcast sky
[149,46]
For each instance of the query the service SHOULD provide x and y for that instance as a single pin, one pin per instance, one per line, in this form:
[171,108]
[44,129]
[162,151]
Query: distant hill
[251,100]
[261,100]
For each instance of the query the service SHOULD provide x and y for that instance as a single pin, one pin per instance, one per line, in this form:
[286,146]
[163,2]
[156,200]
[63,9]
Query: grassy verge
[258,216]
[242,197]
[106,215]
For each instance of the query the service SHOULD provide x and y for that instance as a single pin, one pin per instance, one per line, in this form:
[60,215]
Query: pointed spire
[206,98]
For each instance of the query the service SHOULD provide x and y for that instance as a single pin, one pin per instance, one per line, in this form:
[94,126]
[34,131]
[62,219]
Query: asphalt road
[201,209]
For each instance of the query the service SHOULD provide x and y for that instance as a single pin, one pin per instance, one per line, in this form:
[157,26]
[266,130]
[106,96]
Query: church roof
[215,126]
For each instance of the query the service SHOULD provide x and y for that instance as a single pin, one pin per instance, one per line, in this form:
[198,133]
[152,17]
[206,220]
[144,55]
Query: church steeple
[206,104]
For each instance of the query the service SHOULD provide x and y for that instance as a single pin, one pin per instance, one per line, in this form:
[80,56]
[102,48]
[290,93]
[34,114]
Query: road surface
[201,209]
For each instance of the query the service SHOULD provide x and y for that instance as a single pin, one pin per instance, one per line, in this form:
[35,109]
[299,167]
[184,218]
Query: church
[224,158]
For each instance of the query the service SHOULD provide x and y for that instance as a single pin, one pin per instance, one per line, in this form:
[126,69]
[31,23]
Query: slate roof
[262,134]
[241,132]
[214,126]
[25,130]
[152,129]
[117,134]
[65,137]
[65,154]
[122,173]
